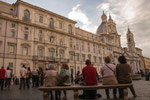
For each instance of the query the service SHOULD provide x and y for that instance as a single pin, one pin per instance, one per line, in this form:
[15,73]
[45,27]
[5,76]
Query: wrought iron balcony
[50,59]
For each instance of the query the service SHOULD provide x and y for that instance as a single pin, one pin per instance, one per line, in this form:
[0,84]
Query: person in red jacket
[90,78]
[2,77]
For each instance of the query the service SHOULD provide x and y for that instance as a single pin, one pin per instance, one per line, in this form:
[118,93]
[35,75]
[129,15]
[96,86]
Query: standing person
[22,77]
[90,78]
[8,77]
[34,72]
[51,78]
[37,77]
[108,72]
[2,77]
[28,76]
[124,75]
[78,77]
[41,76]
[65,68]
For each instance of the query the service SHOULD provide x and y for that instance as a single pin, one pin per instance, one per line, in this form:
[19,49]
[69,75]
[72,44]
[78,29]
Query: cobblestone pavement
[142,89]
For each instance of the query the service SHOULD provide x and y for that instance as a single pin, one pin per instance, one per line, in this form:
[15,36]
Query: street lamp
[75,64]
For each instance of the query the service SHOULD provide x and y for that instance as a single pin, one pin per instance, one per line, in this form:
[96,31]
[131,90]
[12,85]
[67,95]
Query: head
[122,60]
[88,62]
[8,68]
[23,66]
[29,68]
[65,66]
[78,72]
[107,59]
[2,66]
[51,67]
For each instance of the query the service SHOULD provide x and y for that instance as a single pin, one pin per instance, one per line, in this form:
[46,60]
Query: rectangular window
[12,34]
[77,57]
[25,51]
[10,64]
[83,57]
[26,36]
[26,28]
[94,59]
[41,19]
[41,39]
[40,52]
[60,25]
[40,31]
[100,60]
[71,56]
[13,25]
[11,49]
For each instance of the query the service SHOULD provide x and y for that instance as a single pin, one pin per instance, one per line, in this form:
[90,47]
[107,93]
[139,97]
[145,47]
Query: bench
[75,88]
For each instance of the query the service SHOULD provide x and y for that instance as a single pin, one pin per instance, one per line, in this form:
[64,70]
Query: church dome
[102,28]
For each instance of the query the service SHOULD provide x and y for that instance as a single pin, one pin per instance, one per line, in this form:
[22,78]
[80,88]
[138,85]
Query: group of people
[26,76]
[55,78]
[110,74]
[5,78]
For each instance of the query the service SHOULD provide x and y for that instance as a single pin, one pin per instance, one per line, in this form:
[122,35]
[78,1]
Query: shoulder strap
[110,68]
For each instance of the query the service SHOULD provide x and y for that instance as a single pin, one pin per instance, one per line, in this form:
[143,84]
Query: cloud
[83,21]
[134,13]
[78,15]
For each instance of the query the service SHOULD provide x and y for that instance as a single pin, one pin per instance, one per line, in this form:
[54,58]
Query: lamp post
[75,64]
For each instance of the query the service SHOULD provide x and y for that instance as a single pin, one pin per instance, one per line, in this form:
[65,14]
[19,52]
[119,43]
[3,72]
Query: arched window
[26,15]
[70,29]
[51,23]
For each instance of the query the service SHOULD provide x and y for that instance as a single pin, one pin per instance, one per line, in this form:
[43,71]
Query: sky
[87,14]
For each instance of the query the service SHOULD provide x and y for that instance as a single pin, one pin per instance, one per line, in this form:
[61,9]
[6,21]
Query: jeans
[8,82]
[22,82]
[28,82]
[114,91]
[2,83]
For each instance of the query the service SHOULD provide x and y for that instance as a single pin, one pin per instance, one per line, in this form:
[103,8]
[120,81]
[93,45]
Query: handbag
[110,80]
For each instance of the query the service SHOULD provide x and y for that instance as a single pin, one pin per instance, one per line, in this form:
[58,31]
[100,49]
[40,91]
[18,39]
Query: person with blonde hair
[108,72]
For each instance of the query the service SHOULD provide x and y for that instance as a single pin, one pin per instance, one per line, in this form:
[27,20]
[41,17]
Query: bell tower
[130,41]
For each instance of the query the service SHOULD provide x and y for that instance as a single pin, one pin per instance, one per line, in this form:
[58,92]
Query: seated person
[51,78]
[90,78]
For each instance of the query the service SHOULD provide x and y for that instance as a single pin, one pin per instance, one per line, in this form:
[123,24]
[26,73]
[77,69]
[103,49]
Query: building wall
[147,63]
[75,47]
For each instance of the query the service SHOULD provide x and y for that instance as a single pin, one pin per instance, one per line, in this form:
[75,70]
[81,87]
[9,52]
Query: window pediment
[25,45]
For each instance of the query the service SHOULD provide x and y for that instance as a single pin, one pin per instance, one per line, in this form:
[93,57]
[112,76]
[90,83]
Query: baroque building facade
[36,37]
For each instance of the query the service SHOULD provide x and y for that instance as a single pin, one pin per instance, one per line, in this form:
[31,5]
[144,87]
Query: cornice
[46,28]
[43,10]
[1,2]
